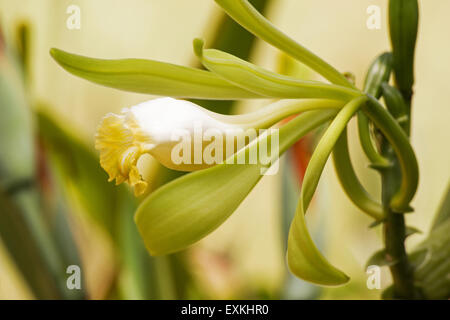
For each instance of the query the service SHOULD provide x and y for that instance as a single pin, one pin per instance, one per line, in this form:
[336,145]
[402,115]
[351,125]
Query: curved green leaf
[151,77]
[187,209]
[403,149]
[248,17]
[350,182]
[377,161]
[265,82]
[304,259]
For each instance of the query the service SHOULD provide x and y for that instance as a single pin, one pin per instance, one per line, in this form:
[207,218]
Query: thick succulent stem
[394,231]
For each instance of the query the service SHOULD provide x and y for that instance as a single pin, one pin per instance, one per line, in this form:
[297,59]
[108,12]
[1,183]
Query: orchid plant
[187,209]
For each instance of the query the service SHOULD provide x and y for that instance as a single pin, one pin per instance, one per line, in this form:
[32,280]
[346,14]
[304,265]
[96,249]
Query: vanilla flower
[156,127]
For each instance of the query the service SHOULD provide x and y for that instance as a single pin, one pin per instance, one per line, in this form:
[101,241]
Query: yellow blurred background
[163,30]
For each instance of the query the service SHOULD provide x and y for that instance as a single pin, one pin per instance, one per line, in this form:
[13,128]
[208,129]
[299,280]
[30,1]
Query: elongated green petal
[248,17]
[151,77]
[377,161]
[403,149]
[269,115]
[350,182]
[304,259]
[188,208]
[265,82]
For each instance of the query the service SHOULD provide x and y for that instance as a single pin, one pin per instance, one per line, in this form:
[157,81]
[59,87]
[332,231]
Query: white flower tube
[158,127]
[182,136]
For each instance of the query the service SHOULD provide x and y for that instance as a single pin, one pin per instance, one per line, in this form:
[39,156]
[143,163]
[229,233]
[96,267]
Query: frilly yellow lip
[120,148]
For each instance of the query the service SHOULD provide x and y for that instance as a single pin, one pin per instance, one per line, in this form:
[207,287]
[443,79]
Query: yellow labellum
[120,151]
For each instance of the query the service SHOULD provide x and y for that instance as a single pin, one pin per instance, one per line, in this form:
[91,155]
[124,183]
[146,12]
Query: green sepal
[248,17]
[264,82]
[349,180]
[151,77]
[304,259]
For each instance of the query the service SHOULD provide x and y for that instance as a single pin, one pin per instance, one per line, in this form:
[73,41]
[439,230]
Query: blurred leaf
[57,213]
[81,167]
[443,213]
[137,278]
[431,257]
[187,209]
[62,234]
[23,50]
[151,77]
[23,227]
[19,220]
[16,130]
[432,264]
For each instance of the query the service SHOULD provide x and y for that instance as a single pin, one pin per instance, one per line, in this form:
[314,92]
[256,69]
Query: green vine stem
[395,230]
[403,25]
